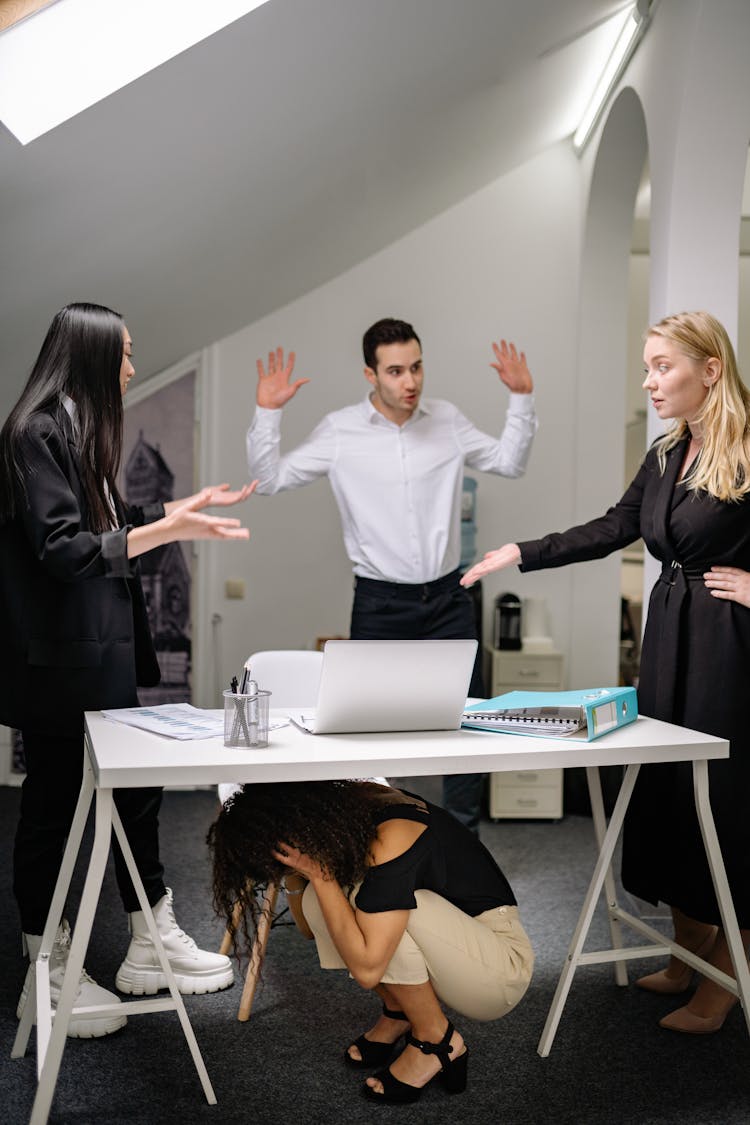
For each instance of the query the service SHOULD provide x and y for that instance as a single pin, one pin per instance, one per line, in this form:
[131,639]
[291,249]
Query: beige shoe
[672,985]
[686,1021]
[89,994]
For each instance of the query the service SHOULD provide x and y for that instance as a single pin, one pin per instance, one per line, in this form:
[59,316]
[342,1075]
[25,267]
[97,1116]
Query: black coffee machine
[507,626]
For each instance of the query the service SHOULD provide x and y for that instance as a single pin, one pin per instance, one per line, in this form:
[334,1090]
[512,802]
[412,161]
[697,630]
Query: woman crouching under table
[398,892]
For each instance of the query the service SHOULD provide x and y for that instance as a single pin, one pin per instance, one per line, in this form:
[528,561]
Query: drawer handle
[527,776]
[527,802]
[529,672]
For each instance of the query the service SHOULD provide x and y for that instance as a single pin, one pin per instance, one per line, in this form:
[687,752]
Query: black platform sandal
[374,1054]
[453,1073]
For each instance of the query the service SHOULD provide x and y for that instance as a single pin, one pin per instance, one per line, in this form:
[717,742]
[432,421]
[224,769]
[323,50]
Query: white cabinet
[525,793]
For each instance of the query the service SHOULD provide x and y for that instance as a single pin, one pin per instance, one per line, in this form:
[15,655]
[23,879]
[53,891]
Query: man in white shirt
[396,466]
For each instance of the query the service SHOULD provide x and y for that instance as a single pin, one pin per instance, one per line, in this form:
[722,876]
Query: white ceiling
[276,154]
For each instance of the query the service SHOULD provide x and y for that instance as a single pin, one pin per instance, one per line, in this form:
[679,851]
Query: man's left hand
[512,368]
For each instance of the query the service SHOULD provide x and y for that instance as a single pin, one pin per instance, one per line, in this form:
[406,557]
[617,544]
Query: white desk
[119,756]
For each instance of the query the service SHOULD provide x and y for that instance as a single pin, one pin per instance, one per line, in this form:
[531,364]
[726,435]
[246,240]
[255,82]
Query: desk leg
[587,911]
[79,944]
[148,914]
[721,885]
[600,828]
[38,998]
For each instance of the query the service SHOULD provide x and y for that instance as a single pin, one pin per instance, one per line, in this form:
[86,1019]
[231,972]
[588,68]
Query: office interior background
[314,166]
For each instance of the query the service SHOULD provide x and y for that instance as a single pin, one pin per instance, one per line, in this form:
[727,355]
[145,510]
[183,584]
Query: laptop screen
[393,685]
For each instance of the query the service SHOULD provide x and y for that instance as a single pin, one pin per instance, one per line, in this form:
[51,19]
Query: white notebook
[391,686]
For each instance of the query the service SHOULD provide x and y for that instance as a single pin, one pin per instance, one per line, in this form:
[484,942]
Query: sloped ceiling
[274,155]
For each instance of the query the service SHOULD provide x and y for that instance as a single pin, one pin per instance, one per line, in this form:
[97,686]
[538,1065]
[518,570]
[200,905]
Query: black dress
[695,667]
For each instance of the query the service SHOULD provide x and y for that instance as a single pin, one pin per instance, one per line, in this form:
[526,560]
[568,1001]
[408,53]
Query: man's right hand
[274,386]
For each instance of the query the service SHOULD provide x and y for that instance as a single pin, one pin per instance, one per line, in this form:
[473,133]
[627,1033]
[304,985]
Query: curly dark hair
[334,822]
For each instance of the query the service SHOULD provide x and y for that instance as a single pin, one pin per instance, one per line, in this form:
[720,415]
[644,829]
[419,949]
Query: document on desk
[177,720]
[174,720]
[584,714]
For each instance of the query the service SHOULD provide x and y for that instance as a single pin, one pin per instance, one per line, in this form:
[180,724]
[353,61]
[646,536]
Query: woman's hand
[274,386]
[509,555]
[302,864]
[186,521]
[729,583]
[214,496]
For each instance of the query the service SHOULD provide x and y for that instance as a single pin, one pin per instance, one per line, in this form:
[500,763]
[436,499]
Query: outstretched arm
[729,583]
[509,555]
[185,521]
[512,368]
[274,385]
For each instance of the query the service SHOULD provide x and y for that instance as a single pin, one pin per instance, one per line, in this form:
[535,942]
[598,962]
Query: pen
[240,722]
[252,690]
[245,678]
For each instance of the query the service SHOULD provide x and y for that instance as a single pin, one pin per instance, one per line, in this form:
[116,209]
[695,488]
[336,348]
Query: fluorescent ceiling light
[73,53]
[634,25]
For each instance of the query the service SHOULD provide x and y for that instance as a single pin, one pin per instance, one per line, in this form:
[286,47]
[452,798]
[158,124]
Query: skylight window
[72,53]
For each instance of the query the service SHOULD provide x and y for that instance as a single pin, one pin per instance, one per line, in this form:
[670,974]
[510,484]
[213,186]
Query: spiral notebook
[555,714]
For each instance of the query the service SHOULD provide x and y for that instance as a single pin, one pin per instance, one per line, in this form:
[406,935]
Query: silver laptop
[391,686]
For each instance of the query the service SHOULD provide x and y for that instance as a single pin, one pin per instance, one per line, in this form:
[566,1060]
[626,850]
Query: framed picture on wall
[158,464]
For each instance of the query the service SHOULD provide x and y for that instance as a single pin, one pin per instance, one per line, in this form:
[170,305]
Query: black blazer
[74,632]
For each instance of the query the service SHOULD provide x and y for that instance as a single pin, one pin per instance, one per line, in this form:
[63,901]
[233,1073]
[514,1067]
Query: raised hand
[274,386]
[509,555]
[512,368]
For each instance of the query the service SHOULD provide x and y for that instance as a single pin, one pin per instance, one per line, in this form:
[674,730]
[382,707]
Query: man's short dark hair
[386,331]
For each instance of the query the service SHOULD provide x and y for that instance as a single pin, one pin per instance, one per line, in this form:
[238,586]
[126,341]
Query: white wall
[692,82]
[501,263]
[505,261]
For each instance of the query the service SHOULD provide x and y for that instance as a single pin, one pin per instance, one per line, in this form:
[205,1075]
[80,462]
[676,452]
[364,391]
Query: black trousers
[441,609]
[54,771]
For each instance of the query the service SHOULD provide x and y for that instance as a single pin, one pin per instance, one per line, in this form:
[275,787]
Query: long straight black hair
[81,357]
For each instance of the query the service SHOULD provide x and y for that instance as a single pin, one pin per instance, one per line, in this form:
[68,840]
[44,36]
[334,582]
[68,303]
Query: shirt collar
[374,417]
[70,408]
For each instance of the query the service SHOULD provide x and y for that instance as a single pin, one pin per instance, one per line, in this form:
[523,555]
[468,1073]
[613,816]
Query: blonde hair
[723,468]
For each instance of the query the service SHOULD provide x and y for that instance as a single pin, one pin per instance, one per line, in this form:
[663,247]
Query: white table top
[125,756]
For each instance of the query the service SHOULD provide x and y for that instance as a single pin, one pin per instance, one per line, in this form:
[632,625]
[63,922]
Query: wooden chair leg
[258,952]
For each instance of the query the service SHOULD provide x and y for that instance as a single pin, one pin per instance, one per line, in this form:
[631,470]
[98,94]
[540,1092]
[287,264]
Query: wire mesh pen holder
[246,719]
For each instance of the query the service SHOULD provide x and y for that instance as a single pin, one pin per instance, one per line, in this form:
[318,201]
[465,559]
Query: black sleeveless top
[447,859]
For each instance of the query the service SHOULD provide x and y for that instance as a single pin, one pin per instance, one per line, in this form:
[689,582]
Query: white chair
[292,676]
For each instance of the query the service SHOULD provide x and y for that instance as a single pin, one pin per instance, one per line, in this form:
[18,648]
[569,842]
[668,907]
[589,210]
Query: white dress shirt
[398,488]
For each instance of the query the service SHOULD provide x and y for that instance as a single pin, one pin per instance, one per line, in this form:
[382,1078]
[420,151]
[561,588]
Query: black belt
[419,591]
[673,572]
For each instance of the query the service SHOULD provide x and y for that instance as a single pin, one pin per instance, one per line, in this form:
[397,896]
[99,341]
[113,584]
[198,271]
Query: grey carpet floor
[610,1064]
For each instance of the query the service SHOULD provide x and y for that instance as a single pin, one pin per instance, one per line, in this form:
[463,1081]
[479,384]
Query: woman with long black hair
[75,633]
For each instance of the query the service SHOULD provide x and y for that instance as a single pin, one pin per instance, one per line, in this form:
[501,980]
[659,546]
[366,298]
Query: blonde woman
[690,501]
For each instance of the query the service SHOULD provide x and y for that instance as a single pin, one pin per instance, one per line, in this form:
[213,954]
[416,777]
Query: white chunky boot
[89,992]
[196,970]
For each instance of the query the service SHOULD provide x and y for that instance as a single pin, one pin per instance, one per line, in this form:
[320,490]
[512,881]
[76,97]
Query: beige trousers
[481,966]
